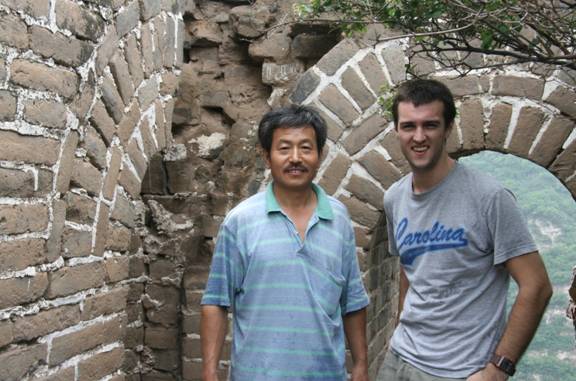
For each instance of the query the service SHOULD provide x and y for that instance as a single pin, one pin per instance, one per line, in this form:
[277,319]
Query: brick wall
[86,98]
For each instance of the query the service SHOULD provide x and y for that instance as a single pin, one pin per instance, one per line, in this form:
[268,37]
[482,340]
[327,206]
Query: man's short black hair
[424,91]
[291,117]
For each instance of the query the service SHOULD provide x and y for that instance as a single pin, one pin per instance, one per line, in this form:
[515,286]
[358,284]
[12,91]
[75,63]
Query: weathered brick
[137,158]
[166,360]
[107,48]
[529,123]
[28,149]
[168,112]
[127,19]
[95,147]
[3,72]
[86,176]
[66,162]
[117,269]
[19,254]
[372,70]
[101,364]
[14,31]
[130,182]
[124,211]
[102,229]
[16,362]
[7,106]
[551,141]
[338,56]
[305,86]
[147,93]
[335,130]
[111,178]
[45,113]
[18,291]
[128,123]
[191,322]
[67,346]
[6,336]
[79,20]
[161,337]
[134,59]
[20,183]
[333,99]
[69,280]
[119,237]
[395,60]
[147,139]
[356,88]
[392,146]
[54,243]
[179,59]
[472,124]
[56,319]
[360,212]
[468,85]
[42,77]
[103,122]
[364,133]
[76,243]
[105,303]
[498,127]
[112,99]
[518,86]
[146,45]
[160,124]
[80,209]
[564,99]
[65,374]
[121,75]
[380,168]
[365,190]
[565,163]
[149,9]
[335,172]
[23,218]
[64,50]
[275,46]
[167,42]
[34,8]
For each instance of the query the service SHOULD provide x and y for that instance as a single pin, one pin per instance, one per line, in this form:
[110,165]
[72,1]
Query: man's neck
[425,180]
[295,199]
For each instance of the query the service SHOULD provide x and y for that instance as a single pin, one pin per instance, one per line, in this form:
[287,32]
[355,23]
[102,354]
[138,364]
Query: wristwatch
[504,364]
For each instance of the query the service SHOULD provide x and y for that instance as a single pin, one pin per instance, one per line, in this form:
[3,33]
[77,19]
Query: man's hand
[490,373]
[360,373]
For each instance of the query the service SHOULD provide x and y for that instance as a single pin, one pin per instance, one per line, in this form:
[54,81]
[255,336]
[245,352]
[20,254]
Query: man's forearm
[355,329]
[213,325]
[403,289]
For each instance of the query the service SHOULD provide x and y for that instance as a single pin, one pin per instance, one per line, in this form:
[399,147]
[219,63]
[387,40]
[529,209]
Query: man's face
[293,158]
[422,133]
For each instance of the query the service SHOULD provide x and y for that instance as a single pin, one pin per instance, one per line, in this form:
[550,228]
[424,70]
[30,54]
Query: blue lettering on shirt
[418,243]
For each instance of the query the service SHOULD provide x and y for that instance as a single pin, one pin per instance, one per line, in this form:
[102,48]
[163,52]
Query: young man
[285,262]
[460,236]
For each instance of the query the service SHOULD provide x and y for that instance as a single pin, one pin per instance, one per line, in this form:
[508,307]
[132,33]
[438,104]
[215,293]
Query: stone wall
[86,98]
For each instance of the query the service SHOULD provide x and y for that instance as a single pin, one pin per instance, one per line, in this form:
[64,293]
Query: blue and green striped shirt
[288,296]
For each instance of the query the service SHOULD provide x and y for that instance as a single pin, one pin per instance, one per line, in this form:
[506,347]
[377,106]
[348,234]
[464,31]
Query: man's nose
[295,155]
[419,135]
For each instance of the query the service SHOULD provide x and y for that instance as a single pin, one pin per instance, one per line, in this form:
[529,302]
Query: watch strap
[504,364]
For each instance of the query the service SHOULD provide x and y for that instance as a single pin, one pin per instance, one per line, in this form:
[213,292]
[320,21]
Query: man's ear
[265,155]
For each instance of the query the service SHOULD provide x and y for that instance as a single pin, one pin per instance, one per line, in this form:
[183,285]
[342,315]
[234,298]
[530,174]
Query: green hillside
[550,211]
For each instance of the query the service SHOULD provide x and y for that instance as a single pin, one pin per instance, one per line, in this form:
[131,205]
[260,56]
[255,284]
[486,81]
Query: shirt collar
[323,208]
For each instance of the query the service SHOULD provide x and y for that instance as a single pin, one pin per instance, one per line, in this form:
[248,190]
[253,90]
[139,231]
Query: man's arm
[534,292]
[404,284]
[213,325]
[355,329]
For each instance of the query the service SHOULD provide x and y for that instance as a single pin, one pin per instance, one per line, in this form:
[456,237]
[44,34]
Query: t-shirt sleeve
[392,248]
[508,228]
[354,296]
[225,271]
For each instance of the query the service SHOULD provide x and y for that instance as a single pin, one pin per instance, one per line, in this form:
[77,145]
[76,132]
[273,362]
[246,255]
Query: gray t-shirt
[453,241]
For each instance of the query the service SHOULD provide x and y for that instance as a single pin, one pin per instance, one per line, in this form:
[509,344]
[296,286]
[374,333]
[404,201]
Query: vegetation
[550,210]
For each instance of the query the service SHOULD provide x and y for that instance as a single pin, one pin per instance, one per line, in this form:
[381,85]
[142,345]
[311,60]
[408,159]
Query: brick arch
[511,112]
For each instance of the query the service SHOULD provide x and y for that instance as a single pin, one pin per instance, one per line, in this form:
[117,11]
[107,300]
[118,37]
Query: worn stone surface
[134,60]
[23,183]
[41,77]
[7,106]
[112,99]
[565,163]
[498,126]
[336,102]
[337,56]
[17,361]
[111,178]
[529,123]
[102,229]
[117,269]
[127,19]
[28,149]
[312,45]
[128,123]
[67,162]
[380,168]
[392,146]
[14,31]
[45,113]
[467,85]
[106,49]
[76,243]
[23,218]
[366,191]
[149,9]
[34,8]
[45,322]
[552,140]
[95,148]
[372,71]
[335,173]
[86,176]
[69,51]
[395,60]
[472,124]
[20,291]
[360,212]
[564,99]
[147,93]
[275,46]
[69,280]
[79,20]
[121,74]
[353,84]
[100,365]
[364,133]
[19,254]
[80,209]
[250,21]
[518,86]
[54,243]
[102,121]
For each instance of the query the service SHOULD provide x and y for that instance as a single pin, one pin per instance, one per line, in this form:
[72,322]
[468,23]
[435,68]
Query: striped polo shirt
[288,296]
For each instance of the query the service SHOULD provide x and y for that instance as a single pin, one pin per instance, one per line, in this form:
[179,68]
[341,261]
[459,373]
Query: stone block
[34,8]
[161,337]
[166,360]
[54,243]
[147,48]
[19,291]
[76,243]
[564,99]
[498,127]
[121,74]
[130,182]
[16,362]
[128,123]
[103,122]
[169,83]
[111,98]
[313,46]
[305,86]
[337,103]
[335,173]
[279,74]
[105,303]
[524,87]
[157,38]
[64,374]
[106,49]
[123,211]
[70,280]
[137,158]
[147,139]
[396,62]
[366,191]
[117,269]
[356,88]
[101,364]
[95,147]
[274,46]
[23,183]
[134,60]
[86,176]
[3,72]
[360,212]
[149,9]
[6,336]
[41,77]
[55,319]
[472,124]
[19,254]
[373,72]
[147,93]
[64,50]
[528,125]
[550,143]
[14,31]
[79,20]
[338,56]
[23,218]
[468,85]
[45,113]
[102,229]
[66,162]
[80,209]
[71,344]
[82,102]
[7,106]
[28,149]
[111,178]
[250,21]
[334,128]
[204,33]
[127,19]
[380,168]
[392,146]
[364,133]
[565,163]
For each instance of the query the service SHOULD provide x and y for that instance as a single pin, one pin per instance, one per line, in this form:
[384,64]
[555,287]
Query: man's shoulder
[247,208]
[398,188]
[481,182]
